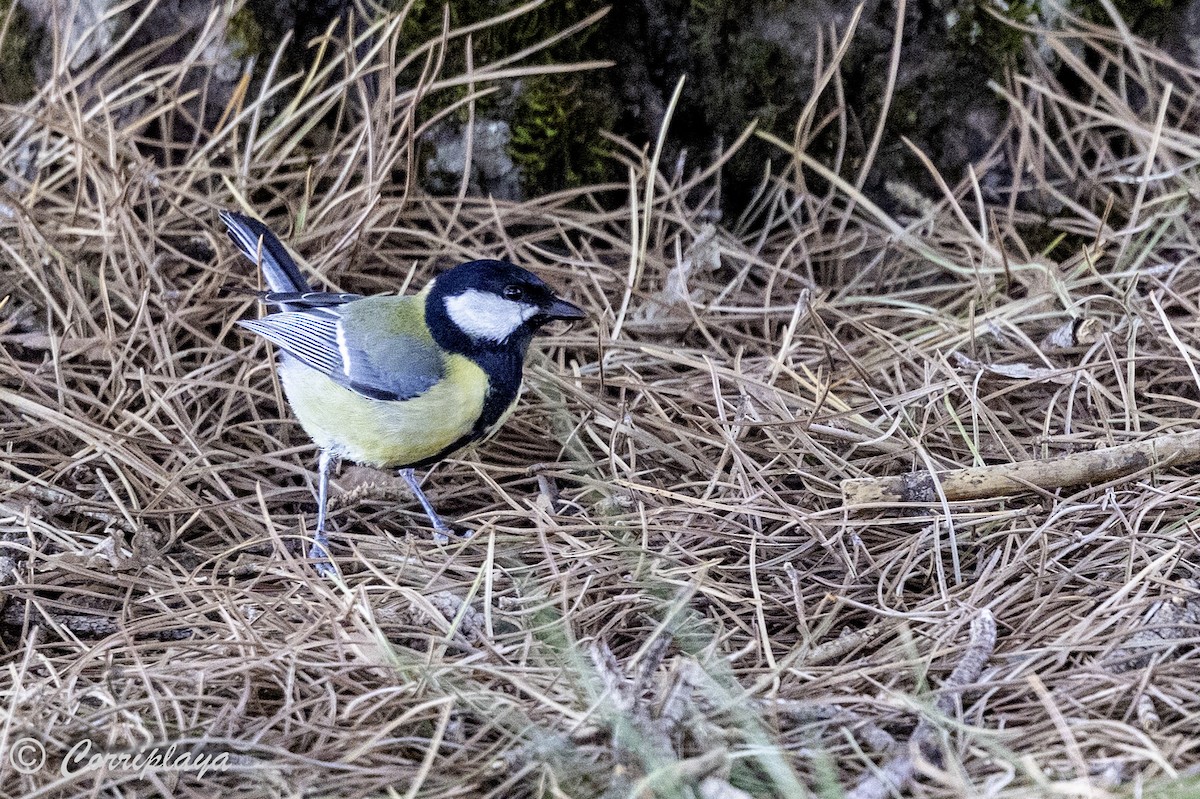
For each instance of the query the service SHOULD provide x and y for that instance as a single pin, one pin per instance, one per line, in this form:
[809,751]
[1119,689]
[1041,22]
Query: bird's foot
[318,553]
[442,532]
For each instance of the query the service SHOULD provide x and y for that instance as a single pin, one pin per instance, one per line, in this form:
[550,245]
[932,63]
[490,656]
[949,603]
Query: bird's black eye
[514,293]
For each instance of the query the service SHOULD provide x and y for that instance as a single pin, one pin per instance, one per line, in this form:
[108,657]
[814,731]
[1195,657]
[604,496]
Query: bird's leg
[319,551]
[440,529]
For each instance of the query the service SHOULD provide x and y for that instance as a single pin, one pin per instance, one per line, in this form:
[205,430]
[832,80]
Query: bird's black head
[484,306]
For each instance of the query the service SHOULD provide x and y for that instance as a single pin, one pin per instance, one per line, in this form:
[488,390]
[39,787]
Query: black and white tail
[258,243]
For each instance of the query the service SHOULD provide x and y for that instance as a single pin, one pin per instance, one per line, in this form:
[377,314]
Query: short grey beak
[561,309]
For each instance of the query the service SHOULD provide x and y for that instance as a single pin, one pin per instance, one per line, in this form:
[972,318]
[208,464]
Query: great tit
[397,381]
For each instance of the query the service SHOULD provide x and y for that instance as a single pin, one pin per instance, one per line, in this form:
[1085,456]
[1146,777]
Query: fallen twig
[983,482]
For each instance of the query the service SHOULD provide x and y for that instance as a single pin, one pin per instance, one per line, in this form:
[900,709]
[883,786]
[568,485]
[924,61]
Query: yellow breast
[382,433]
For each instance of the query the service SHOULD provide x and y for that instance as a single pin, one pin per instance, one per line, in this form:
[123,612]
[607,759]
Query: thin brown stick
[984,482]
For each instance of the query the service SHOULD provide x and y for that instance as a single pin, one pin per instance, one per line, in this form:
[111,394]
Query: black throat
[502,361]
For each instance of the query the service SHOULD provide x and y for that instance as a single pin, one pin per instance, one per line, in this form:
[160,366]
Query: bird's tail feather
[259,244]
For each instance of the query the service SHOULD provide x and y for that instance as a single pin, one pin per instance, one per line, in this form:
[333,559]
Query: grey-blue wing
[394,367]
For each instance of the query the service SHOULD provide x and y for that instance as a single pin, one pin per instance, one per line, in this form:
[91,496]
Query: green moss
[555,137]
[245,34]
[17,49]
[737,74]
[978,36]
[556,120]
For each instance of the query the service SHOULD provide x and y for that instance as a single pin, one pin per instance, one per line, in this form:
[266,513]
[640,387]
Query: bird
[397,381]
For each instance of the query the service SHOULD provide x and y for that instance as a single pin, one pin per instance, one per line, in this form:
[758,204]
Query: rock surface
[492,172]
[743,63]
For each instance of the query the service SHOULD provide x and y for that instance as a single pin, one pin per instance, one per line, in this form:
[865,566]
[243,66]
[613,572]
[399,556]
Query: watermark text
[28,755]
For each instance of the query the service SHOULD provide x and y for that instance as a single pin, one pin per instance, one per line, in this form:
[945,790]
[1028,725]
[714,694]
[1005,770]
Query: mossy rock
[18,47]
[245,33]
[556,120]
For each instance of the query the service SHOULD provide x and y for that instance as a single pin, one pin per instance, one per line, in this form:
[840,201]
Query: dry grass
[665,595]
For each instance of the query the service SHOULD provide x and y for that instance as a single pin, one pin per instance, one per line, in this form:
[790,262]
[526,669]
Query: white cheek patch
[483,315]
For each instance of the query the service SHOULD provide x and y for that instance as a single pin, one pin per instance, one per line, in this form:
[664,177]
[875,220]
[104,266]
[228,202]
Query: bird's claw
[319,554]
[443,532]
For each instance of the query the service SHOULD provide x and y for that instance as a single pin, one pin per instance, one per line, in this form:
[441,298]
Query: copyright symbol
[27,755]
